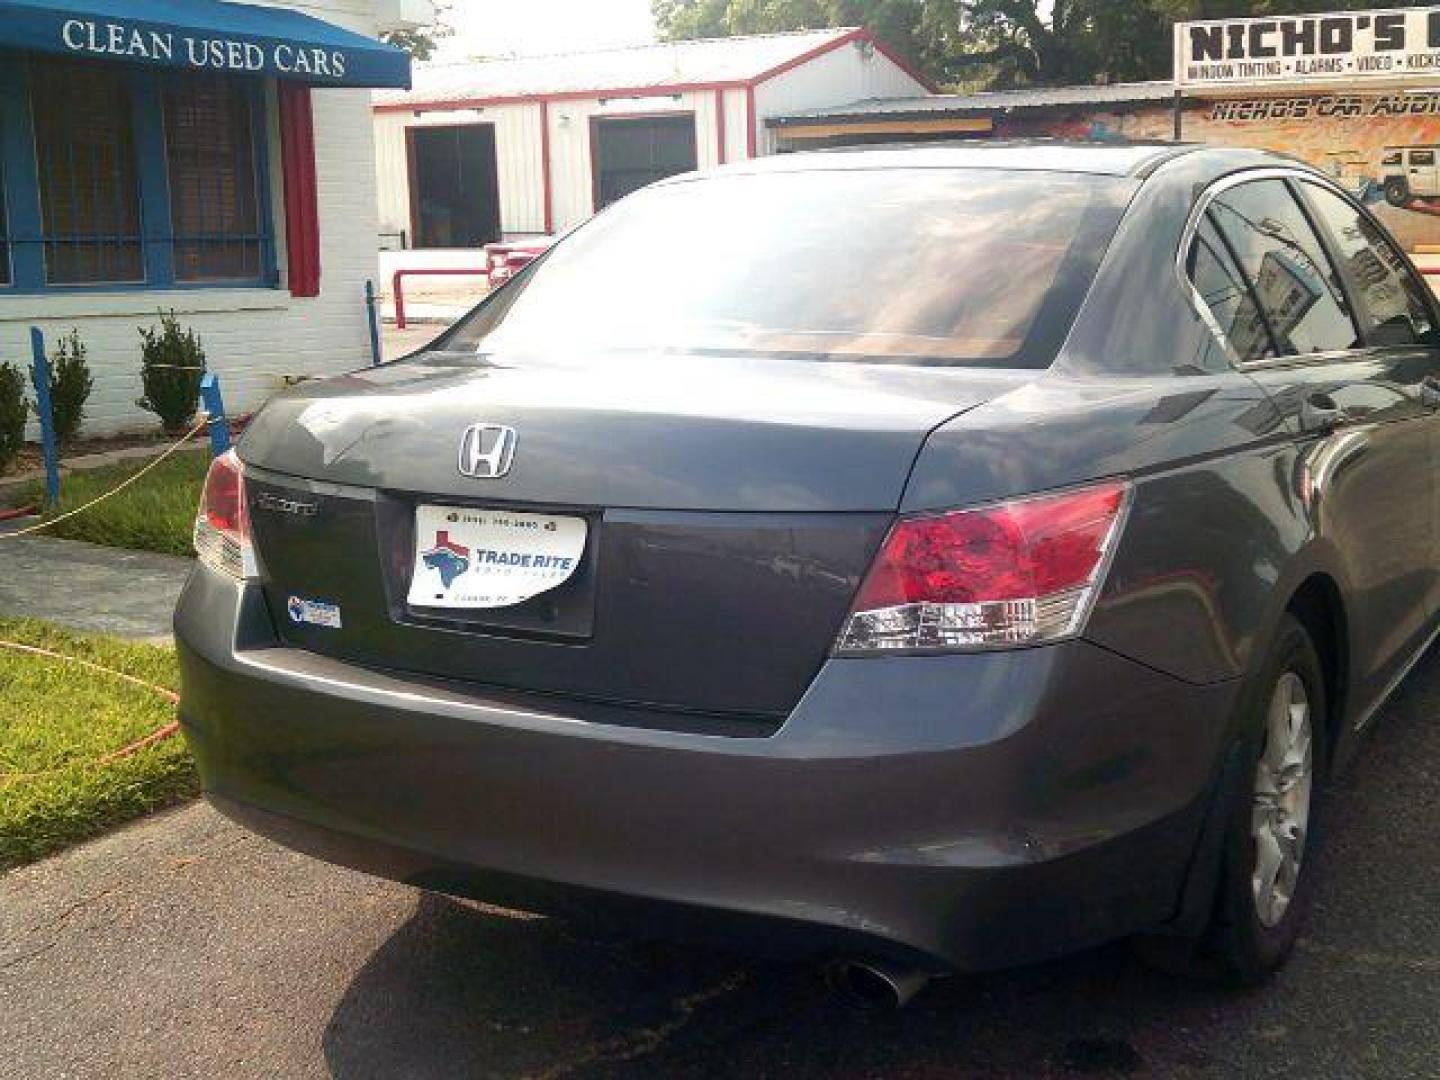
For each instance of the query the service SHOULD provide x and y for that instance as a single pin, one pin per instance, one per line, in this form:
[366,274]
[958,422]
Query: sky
[528,27]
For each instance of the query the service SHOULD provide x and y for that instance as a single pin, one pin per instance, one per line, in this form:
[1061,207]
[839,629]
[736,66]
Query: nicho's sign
[1345,46]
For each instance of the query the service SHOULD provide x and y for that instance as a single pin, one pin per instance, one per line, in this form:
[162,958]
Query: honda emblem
[486,450]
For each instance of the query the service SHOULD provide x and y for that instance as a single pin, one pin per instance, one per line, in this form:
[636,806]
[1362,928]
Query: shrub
[70,386]
[12,414]
[172,362]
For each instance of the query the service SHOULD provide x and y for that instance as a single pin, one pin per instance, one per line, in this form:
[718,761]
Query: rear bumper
[969,812]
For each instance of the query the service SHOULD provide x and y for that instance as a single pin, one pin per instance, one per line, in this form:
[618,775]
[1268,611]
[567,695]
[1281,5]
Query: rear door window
[1223,289]
[1422,157]
[1295,284]
[1387,294]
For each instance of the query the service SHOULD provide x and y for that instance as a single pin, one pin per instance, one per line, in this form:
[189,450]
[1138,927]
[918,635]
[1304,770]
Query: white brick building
[480,151]
[219,164]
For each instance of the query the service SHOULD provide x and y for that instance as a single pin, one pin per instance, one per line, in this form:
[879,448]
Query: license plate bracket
[477,559]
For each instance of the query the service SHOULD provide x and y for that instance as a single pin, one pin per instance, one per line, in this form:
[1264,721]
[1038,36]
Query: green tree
[1009,43]
[897,22]
[422,42]
[992,44]
[1031,42]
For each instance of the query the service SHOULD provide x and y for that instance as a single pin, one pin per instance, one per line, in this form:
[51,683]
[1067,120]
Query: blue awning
[207,35]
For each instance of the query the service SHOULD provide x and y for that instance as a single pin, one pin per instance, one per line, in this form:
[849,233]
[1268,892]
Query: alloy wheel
[1283,780]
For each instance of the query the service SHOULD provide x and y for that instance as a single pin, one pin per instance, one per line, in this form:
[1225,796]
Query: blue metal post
[215,407]
[374,317]
[47,418]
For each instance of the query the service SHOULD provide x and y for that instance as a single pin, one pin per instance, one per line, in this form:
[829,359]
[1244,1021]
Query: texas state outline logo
[448,558]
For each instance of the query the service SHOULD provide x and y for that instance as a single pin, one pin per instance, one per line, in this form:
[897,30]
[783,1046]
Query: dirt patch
[30,459]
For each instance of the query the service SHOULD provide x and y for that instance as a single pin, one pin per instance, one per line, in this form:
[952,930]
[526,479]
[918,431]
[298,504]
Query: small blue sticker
[314,612]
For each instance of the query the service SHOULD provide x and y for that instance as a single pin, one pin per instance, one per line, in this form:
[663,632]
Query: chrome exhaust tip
[873,985]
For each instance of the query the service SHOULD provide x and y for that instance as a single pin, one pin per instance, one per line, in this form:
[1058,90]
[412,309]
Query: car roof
[1043,154]
[1030,155]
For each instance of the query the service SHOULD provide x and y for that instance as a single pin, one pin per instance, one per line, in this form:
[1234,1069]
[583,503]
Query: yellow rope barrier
[113,491]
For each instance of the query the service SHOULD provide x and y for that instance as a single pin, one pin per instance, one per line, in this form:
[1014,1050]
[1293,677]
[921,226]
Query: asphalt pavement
[183,946]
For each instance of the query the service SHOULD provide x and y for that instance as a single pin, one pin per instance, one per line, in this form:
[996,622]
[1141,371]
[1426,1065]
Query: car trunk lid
[729,508]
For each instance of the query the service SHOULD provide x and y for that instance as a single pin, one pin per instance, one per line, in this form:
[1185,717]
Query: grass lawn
[157,513]
[57,718]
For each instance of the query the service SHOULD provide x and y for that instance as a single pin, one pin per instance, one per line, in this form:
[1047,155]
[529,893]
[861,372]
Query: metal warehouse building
[477,152]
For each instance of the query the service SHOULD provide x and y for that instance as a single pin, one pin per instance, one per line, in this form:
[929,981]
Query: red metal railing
[502,260]
[397,286]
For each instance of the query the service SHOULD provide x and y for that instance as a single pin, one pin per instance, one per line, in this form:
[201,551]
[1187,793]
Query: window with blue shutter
[89,190]
[117,177]
[211,129]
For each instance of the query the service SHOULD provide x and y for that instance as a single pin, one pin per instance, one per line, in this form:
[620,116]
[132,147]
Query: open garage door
[632,151]
[454,186]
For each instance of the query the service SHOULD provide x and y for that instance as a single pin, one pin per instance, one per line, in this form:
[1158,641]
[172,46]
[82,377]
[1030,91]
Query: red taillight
[222,528]
[223,506]
[1010,574]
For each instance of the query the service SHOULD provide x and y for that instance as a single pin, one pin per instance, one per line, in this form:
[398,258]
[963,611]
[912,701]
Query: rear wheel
[1266,875]
[1397,192]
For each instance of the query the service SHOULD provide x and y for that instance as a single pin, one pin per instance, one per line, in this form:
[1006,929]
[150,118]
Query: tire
[1397,191]
[1253,927]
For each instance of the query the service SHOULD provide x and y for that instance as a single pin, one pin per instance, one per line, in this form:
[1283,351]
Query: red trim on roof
[661,89]
[861,34]
[808,55]
[548,185]
[302,204]
[562,95]
[904,65]
[720,127]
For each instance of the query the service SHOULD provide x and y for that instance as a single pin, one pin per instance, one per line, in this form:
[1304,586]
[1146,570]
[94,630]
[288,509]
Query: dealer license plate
[468,558]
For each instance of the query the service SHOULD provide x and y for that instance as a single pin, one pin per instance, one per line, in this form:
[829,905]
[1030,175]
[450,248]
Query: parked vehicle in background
[995,561]
[1409,172]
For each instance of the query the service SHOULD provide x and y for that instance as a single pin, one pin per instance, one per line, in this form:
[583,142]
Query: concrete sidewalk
[88,587]
[397,343]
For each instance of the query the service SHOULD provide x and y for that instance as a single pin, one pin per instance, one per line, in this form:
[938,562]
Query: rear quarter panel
[1218,536]
[1215,528]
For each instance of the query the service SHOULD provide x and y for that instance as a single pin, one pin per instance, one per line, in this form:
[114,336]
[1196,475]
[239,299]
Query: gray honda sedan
[926,559]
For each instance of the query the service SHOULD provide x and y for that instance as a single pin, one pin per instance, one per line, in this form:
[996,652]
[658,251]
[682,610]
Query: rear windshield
[927,266]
